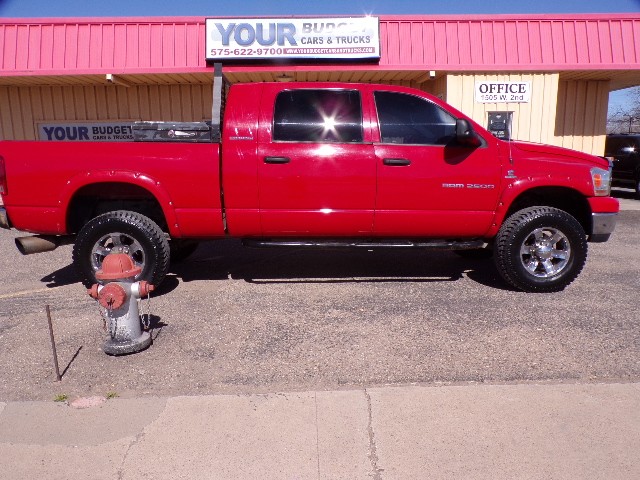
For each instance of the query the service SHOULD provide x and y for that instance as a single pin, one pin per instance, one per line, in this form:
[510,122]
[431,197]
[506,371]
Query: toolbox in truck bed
[196,132]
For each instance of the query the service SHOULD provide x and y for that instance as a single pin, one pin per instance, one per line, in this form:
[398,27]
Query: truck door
[427,185]
[316,167]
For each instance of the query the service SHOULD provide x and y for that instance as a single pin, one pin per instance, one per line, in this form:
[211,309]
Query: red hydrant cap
[117,266]
[144,288]
[112,296]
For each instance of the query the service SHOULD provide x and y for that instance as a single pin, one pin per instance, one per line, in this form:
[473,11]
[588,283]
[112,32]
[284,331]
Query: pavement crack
[373,451]
[315,400]
[134,442]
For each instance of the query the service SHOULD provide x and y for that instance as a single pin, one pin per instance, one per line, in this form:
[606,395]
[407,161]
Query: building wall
[24,107]
[578,122]
[581,117]
[571,114]
[533,121]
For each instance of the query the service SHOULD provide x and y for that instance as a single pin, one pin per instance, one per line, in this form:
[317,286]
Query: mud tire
[146,241]
[540,249]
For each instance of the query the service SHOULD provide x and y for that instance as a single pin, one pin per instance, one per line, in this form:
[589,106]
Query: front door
[429,186]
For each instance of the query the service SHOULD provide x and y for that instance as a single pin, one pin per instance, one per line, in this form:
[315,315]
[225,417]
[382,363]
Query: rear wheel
[540,249]
[122,230]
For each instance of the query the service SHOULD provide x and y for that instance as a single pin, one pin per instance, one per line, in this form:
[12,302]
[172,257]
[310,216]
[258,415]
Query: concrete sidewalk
[469,432]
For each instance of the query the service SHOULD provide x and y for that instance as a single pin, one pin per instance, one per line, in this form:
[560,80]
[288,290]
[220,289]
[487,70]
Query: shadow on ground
[228,259]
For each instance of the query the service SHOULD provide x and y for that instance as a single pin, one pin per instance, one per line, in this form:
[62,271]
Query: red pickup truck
[319,165]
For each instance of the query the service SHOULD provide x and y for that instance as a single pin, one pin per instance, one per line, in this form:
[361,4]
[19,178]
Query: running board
[367,244]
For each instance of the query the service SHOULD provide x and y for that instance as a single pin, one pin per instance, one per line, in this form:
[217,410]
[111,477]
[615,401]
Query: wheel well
[571,201]
[99,198]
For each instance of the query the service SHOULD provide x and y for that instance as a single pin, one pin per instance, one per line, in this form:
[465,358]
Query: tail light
[3,178]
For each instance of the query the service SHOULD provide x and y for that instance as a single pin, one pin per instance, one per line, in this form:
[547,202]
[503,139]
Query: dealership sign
[87,132]
[317,38]
[503,92]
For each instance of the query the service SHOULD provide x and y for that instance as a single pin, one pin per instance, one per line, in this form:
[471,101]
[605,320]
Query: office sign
[503,92]
[292,38]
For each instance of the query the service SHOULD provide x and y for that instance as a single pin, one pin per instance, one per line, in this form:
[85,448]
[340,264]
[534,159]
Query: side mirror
[465,135]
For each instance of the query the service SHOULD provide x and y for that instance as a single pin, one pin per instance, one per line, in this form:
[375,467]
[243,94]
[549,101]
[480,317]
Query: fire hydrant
[119,298]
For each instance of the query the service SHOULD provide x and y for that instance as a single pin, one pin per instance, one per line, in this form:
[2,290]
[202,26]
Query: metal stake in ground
[53,345]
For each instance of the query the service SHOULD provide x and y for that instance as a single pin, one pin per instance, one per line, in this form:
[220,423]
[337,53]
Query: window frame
[321,141]
[423,99]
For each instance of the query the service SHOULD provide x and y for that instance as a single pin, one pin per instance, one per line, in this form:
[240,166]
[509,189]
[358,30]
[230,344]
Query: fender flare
[523,185]
[153,186]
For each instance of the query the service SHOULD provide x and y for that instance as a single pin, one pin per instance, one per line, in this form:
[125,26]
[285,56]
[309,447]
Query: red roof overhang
[174,45]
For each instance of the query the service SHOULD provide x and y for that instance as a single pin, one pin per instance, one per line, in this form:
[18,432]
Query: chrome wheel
[117,242]
[122,231]
[545,252]
[540,249]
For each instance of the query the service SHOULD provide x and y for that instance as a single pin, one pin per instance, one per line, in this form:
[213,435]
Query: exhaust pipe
[40,243]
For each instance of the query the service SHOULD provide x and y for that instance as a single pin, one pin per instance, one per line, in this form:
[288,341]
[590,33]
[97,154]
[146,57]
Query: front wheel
[138,236]
[540,249]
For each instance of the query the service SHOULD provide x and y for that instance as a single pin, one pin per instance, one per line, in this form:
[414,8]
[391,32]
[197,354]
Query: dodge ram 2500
[313,164]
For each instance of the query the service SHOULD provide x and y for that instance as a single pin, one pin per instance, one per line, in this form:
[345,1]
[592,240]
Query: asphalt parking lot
[238,320]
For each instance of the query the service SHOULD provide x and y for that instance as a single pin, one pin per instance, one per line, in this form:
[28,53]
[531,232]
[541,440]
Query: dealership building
[542,78]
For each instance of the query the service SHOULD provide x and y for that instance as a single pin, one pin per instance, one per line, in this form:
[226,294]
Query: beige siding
[533,121]
[436,86]
[567,113]
[582,115]
[22,108]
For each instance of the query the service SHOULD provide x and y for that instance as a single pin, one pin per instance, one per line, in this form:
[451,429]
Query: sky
[213,8]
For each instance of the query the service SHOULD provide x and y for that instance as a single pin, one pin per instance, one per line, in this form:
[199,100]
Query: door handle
[277,160]
[396,162]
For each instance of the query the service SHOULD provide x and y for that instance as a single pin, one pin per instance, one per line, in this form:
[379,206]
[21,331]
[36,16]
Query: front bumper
[4,218]
[602,226]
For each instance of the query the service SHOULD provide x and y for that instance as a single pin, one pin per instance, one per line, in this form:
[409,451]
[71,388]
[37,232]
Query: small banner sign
[503,92]
[292,38]
[86,132]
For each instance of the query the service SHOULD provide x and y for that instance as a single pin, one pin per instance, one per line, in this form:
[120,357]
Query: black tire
[637,184]
[146,242]
[540,249]
[182,249]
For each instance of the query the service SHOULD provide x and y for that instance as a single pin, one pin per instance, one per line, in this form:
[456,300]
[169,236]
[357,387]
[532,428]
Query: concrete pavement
[583,431]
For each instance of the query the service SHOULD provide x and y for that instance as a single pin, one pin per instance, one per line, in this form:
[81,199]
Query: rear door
[429,186]
[316,167]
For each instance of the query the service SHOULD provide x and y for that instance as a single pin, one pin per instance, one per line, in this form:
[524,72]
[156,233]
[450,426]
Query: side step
[366,244]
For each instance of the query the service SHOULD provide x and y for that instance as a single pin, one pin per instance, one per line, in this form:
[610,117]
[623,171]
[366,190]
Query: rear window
[333,116]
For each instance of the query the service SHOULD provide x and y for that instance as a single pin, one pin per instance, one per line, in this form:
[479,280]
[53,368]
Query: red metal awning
[601,46]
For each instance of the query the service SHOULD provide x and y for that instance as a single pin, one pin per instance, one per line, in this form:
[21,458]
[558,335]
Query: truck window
[318,116]
[407,119]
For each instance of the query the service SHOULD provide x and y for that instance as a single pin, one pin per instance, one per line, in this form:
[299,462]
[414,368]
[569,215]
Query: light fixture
[118,80]
[430,75]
